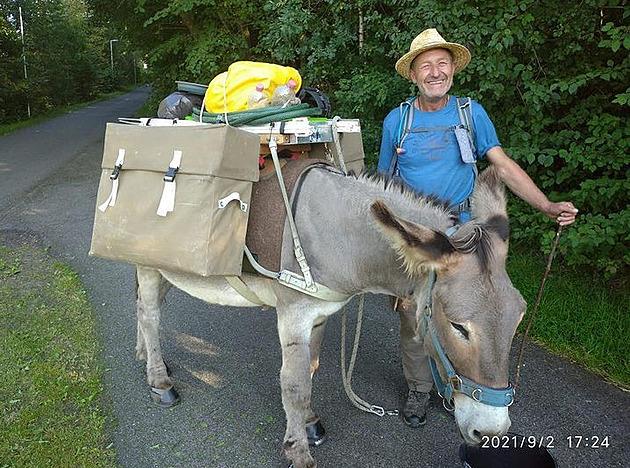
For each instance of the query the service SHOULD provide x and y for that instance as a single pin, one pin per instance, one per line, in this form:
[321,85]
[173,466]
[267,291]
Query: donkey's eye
[461,329]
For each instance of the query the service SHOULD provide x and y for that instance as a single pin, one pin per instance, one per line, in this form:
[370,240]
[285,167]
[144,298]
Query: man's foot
[415,408]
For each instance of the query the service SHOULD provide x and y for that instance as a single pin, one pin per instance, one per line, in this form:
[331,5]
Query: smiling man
[432,142]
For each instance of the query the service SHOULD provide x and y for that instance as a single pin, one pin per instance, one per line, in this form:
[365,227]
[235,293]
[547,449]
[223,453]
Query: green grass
[580,317]
[56,112]
[51,396]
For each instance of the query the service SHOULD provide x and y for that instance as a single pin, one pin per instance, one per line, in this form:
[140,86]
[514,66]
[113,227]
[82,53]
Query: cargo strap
[297,245]
[239,285]
[295,281]
[111,199]
[335,134]
[303,283]
[346,374]
[167,202]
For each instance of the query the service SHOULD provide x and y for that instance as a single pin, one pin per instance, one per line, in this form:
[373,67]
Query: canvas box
[175,197]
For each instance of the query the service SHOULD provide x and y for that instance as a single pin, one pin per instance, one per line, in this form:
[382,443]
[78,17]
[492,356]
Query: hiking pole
[536,304]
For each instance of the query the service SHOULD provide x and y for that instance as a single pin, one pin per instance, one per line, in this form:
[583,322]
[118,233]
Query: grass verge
[579,317]
[56,112]
[51,395]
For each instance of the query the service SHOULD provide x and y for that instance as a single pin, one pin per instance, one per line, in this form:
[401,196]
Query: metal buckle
[380,411]
[170,175]
[116,172]
[477,394]
[456,382]
[450,406]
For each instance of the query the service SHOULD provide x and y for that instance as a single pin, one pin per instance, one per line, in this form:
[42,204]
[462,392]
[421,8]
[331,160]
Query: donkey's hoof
[166,398]
[316,434]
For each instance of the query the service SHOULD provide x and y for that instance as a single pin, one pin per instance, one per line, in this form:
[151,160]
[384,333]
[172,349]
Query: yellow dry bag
[240,82]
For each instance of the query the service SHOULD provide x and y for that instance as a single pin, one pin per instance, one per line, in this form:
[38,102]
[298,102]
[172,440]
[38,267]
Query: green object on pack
[259,116]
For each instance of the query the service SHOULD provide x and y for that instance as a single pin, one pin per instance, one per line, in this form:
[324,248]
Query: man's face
[432,71]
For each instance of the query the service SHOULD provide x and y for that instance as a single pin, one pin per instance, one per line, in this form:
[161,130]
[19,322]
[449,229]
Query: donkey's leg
[164,287]
[317,335]
[152,288]
[295,381]
[314,429]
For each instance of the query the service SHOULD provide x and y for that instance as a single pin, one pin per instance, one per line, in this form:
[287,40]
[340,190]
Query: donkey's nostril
[475,436]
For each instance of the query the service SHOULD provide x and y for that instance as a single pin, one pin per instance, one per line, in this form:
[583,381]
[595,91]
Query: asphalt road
[226,362]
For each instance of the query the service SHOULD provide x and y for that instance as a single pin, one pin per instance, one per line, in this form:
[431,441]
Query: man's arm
[524,187]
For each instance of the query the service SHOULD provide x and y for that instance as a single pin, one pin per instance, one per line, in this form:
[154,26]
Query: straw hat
[431,39]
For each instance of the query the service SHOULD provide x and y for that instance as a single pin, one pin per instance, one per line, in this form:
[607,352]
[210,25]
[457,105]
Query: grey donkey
[369,234]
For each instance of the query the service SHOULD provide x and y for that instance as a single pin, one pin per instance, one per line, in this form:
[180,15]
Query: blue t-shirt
[431,163]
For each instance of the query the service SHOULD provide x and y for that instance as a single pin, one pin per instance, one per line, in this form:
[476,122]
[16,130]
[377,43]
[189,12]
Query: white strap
[335,134]
[297,246]
[111,199]
[241,287]
[167,202]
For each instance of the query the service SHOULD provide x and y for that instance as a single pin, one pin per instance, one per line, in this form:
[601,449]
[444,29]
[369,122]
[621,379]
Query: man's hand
[563,212]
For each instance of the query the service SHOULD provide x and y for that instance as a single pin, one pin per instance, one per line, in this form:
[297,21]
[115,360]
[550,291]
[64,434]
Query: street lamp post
[28,104]
[111,53]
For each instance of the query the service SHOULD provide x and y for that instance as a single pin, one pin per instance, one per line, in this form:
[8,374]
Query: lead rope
[538,298]
[346,375]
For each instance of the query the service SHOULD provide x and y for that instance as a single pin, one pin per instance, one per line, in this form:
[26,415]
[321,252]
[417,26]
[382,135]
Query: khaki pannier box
[176,197]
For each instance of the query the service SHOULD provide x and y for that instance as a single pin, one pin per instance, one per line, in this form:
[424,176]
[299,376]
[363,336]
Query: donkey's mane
[473,236]
[395,186]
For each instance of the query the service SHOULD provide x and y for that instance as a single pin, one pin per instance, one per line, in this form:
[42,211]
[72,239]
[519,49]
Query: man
[428,158]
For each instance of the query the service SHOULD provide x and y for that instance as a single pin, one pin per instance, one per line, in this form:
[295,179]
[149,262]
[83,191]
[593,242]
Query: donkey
[369,234]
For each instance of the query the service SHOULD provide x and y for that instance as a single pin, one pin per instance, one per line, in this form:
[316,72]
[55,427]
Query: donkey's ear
[419,247]
[488,199]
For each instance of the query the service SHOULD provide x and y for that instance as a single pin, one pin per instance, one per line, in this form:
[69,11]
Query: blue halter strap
[501,397]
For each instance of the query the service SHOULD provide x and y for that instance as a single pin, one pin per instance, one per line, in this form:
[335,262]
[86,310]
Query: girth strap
[240,287]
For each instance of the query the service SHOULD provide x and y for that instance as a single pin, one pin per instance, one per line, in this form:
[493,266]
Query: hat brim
[461,57]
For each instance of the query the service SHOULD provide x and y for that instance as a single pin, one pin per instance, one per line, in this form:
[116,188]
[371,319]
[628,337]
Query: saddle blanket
[267,215]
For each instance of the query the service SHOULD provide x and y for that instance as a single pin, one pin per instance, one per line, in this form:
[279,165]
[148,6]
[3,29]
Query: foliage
[187,40]
[66,52]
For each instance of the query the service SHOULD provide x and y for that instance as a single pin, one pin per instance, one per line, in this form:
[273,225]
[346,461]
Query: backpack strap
[405,120]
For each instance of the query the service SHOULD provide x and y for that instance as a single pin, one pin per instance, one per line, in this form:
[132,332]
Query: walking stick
[536,304]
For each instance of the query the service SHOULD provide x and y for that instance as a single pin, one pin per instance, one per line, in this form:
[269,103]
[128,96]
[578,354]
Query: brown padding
[268,214]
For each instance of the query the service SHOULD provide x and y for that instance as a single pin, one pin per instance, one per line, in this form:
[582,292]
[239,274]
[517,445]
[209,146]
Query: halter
[502,397]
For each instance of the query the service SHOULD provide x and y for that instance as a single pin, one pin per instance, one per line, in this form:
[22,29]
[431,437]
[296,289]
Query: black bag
[315,97]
